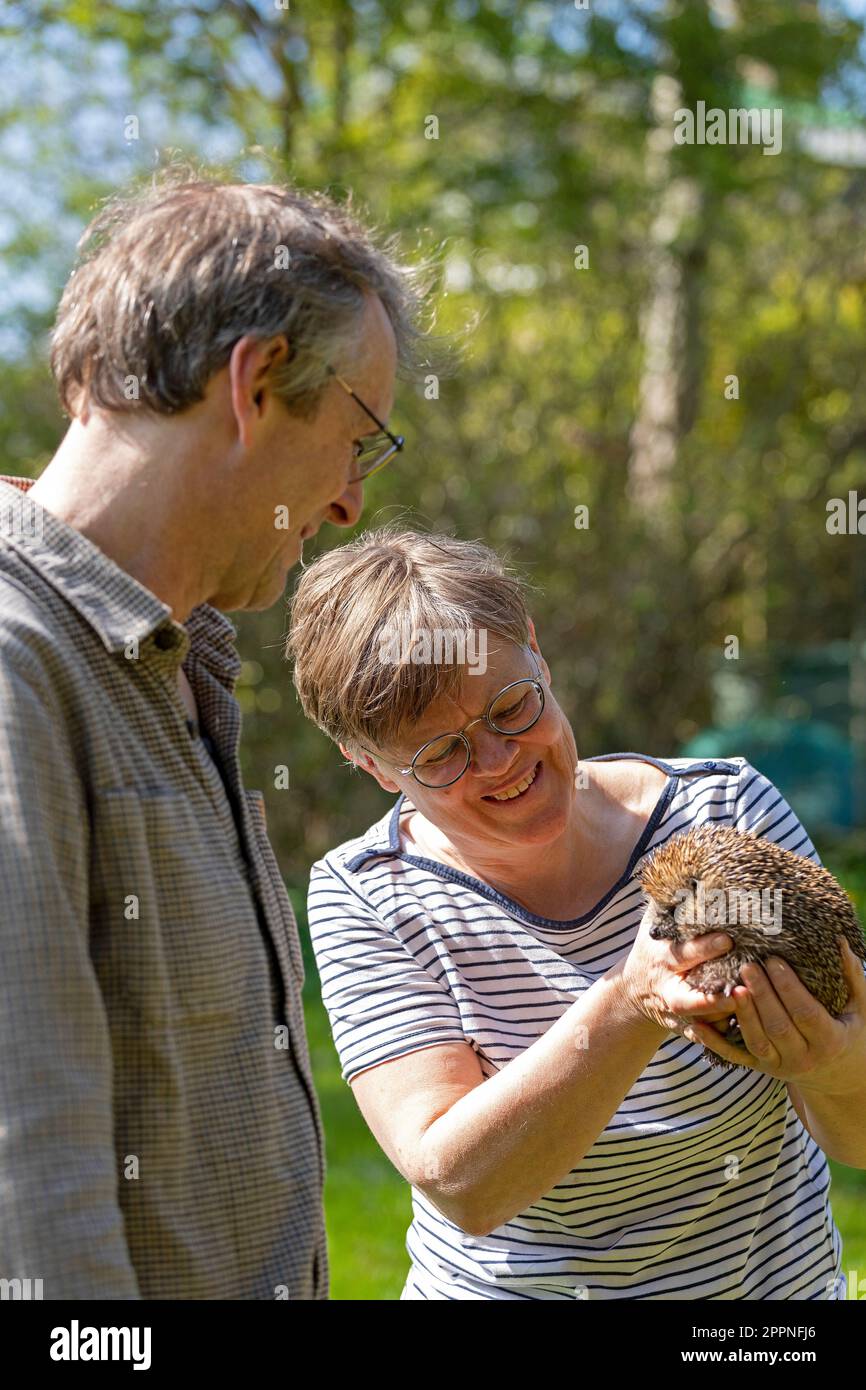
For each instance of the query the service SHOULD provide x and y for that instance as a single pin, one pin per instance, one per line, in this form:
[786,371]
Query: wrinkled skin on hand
[652,977]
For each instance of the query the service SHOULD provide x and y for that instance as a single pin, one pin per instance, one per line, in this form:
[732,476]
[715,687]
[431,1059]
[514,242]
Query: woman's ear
[533,646]
[367,764]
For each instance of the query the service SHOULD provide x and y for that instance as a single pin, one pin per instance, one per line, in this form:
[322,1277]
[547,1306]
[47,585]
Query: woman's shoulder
[638,780]
[677,765]
[376,836]
[345,863]
[732,791]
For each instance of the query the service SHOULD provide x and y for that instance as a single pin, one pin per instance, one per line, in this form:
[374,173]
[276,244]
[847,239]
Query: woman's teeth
[516,790]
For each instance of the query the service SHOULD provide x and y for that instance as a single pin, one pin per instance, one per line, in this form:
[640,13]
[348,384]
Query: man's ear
[364,761]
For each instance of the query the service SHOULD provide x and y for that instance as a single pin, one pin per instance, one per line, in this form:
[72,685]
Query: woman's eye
[441,757]
[512,709]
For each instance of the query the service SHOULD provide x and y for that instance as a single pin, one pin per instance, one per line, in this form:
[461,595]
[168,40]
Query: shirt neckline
[452,875]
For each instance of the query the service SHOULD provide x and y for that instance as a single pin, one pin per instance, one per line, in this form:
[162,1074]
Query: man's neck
[131,515]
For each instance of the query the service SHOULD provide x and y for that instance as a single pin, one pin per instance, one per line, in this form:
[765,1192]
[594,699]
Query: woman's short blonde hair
[351,603]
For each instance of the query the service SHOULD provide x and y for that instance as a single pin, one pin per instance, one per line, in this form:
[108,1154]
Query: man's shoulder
[27,625]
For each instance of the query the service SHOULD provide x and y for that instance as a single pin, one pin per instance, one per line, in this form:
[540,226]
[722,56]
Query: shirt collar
[382,838]
[115,605]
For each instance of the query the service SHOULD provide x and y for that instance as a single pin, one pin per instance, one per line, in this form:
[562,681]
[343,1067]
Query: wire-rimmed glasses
[441,761]
[373,453]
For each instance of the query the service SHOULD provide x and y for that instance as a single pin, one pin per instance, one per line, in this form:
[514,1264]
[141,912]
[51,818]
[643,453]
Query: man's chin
[267,592]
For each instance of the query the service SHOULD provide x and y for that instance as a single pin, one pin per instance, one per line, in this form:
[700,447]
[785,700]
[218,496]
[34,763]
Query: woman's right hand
[651,978]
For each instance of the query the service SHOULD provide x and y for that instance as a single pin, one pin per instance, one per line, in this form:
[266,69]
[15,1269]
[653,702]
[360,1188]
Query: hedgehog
[771,901]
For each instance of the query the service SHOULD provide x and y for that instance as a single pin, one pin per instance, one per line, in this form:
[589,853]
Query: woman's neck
[565,877]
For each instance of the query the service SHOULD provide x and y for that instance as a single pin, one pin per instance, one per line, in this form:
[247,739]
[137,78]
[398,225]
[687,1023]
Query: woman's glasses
[443,760]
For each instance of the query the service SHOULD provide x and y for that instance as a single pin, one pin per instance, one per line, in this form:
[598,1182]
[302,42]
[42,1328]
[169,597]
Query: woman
[513,1037]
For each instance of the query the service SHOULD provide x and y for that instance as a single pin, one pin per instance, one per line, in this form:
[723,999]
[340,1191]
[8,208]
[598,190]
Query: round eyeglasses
[443,760]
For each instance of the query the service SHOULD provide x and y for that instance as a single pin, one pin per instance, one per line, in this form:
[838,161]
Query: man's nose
[346,509]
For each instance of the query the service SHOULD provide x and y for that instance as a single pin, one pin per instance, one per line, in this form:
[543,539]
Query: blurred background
[667,335]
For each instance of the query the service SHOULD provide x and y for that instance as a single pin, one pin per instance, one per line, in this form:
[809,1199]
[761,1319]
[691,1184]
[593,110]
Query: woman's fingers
[685,955]
[854,974]
[777,1007]
[684,1001]
[766,1028]
[786,1030]
[693,1003]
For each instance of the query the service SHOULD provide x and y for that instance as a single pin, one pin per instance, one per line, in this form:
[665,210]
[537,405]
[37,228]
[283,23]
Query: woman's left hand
[790,1035]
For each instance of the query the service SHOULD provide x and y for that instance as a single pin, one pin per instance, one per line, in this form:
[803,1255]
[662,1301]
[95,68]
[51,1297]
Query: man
[225,352]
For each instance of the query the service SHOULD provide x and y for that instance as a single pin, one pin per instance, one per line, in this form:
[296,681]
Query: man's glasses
[443,760]
[373,453]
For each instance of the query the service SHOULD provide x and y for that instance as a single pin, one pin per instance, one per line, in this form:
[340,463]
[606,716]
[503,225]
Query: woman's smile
[519,789]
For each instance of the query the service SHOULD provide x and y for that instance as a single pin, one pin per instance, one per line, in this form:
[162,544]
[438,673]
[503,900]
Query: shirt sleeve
[760,807]
[382,1002]
[60,1219]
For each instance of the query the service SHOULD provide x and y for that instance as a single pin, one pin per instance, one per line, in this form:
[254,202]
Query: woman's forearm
[509,1141]
[836,1123]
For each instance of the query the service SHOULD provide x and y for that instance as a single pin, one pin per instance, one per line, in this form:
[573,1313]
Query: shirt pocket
[279,904]
[173,924]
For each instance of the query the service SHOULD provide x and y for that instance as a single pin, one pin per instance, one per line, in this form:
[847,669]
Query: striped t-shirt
[704,1185]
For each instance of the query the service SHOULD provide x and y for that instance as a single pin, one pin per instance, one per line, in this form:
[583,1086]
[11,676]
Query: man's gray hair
[172,274]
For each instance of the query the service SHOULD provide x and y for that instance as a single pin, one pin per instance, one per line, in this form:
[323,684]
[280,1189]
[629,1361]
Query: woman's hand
[790,1035]
[651,978]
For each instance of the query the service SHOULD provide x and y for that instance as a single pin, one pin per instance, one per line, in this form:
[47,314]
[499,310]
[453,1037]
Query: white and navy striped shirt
[704,1185]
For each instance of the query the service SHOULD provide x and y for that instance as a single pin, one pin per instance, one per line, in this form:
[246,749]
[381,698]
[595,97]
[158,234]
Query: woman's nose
[492,754]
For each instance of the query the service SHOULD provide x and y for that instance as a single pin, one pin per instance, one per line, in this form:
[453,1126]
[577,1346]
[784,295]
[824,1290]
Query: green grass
[848,1200]
[367,1204]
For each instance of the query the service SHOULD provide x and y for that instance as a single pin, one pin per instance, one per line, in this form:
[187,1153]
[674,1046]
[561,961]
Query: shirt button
[164,639]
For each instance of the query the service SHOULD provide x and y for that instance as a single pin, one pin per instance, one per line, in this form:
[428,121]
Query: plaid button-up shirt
[159,1132]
